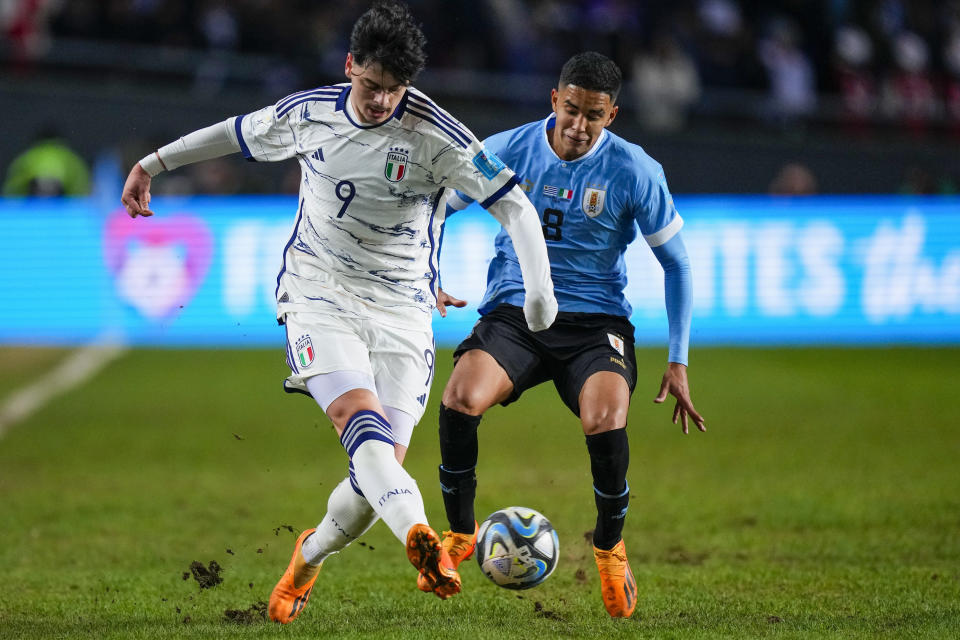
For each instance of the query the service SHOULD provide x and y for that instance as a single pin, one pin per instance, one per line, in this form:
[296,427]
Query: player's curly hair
[594,72]
[387,34]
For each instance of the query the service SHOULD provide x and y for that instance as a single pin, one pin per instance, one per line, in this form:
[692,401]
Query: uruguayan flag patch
[557,192]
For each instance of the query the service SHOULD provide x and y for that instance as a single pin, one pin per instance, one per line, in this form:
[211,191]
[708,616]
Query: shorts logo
[488,164]
[618,361]
[305,352]
[616,342]
[593,200]
[396,166]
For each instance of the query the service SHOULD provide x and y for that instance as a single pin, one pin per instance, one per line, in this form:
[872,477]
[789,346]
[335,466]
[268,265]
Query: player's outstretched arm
[520,219]
[136,192]
[210,142]
[675,383]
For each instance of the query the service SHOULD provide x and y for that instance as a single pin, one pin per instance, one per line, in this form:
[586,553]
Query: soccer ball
[517,548]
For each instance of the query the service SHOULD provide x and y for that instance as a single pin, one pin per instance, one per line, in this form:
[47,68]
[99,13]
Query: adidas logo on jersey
[317,155]
[422,399]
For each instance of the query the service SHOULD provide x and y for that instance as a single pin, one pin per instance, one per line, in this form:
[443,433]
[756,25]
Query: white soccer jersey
[366,239]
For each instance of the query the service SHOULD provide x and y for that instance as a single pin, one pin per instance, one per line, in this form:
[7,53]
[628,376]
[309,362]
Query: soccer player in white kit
[359,278]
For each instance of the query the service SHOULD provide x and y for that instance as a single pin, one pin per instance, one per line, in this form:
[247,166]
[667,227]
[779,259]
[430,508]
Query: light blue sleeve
[678,290]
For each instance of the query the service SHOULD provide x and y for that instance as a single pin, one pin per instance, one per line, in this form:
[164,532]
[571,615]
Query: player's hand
[540,311]
[136,192]
[444,300]
[675,383]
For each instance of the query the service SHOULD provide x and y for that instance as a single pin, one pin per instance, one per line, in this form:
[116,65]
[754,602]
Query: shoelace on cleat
[613,564]
[459,546]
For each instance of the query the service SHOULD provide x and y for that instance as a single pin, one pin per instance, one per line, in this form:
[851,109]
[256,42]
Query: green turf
[21,365]
[824,501]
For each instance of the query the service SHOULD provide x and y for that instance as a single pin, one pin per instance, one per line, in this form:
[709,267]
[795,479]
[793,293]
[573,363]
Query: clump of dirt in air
[207,577]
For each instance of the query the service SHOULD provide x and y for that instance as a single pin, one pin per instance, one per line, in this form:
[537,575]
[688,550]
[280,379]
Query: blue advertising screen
[202,272]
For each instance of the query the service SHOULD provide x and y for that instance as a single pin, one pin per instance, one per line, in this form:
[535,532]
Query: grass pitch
[823,501]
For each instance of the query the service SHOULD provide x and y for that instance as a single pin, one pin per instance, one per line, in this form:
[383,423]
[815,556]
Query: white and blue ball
[517,548]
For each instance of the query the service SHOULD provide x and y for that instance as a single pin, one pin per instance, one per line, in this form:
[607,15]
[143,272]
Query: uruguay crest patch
[616,342]
[593,200]
[305,352]
[396,166]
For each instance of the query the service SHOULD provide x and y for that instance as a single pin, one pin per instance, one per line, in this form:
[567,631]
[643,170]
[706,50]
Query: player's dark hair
[387,34]
[594,72]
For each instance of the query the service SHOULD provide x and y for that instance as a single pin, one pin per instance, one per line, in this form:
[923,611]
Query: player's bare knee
[464,399]
[466,403]
[602,419]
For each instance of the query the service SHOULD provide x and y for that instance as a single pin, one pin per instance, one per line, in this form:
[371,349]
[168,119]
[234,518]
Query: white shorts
[401,361]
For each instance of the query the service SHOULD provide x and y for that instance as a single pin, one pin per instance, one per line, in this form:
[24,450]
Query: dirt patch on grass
[679,555]
[546,613]
[255,613]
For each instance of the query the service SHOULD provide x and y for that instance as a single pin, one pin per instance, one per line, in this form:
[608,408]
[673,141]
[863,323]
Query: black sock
[609,459]
[458,478]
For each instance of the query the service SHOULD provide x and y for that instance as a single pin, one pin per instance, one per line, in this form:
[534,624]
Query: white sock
[348,517]
[388,488]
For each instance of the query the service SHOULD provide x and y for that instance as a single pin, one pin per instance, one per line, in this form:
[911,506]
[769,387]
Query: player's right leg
[340,378]
[487,363]
[368,439]
[477,383]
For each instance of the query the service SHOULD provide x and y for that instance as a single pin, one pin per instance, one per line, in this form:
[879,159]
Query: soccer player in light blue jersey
[594,192]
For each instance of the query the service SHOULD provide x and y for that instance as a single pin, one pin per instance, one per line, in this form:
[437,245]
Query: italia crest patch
[593,200]
[396,166]
[305,352]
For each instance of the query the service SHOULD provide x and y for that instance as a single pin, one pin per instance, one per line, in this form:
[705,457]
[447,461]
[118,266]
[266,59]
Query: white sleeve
[210,142]
[514,211]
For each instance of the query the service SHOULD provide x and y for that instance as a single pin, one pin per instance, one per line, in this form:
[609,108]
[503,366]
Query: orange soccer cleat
[459,546]
[617,584]
[290,595]
[432,561]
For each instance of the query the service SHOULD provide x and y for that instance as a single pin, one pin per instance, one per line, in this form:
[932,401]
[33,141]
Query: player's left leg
[595,376]
[604,402]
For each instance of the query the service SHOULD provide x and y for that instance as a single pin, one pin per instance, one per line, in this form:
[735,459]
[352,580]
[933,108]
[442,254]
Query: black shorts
[575,347]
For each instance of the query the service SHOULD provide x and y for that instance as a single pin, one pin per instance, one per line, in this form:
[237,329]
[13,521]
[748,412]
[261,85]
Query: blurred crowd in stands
[859,65]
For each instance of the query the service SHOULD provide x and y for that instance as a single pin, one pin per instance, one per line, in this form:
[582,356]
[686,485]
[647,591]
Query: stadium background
[812,150]
[735,99]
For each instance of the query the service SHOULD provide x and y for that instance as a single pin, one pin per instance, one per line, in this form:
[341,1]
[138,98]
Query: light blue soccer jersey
[591,208]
